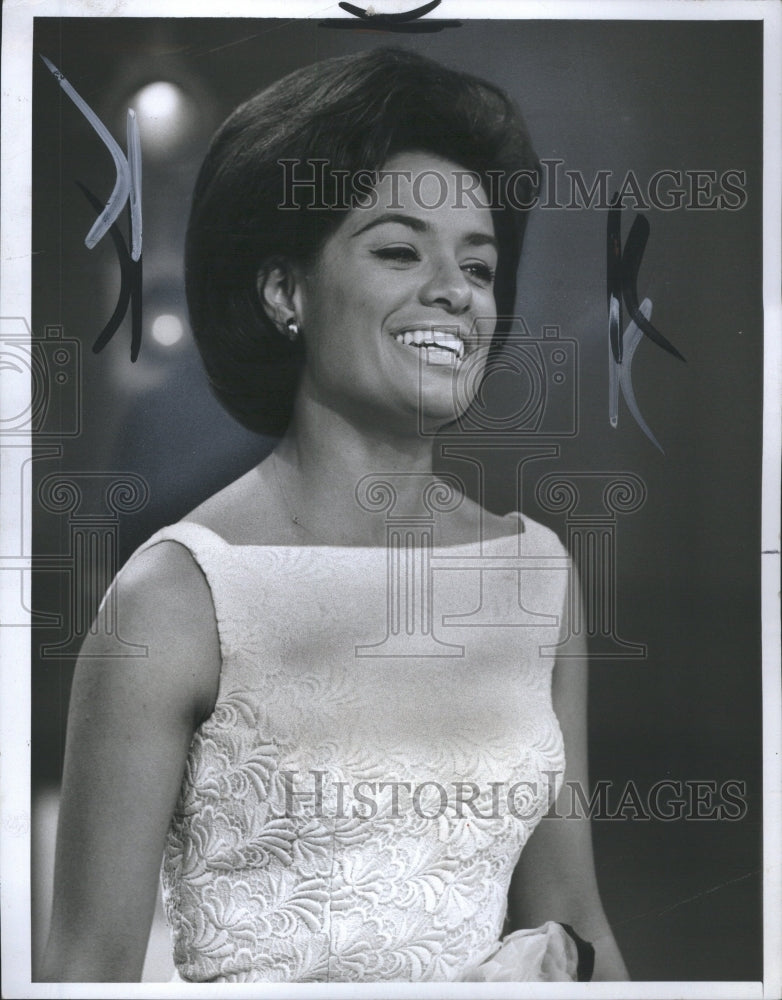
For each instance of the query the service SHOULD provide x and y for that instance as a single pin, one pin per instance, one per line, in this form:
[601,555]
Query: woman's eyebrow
[474,239]
[480,239]
[412,221]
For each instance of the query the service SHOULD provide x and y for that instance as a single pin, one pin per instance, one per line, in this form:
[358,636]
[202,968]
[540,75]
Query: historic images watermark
[316,793]
[314,184]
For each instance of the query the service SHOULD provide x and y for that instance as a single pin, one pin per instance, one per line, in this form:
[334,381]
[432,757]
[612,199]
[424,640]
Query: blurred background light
[166,116]
[167,329]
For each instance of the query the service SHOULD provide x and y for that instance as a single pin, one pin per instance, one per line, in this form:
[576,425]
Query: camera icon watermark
[40,410]
[41,381]
[528,387]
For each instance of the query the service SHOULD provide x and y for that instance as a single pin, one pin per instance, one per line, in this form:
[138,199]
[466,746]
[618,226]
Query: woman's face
[398,311]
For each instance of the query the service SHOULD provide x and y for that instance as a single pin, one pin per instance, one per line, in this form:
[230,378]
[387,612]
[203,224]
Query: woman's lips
[440,346]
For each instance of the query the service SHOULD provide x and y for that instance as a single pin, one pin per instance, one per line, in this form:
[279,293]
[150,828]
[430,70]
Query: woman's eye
[480,271]
[402,254]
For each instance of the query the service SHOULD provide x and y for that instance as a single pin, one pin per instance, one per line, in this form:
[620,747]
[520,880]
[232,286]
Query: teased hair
[354,112]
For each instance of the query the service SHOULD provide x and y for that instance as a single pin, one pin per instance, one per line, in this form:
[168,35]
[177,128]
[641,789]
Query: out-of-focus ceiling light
[167,329]
[165,114]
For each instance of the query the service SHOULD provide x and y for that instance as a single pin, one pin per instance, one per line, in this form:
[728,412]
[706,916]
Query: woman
[338,767]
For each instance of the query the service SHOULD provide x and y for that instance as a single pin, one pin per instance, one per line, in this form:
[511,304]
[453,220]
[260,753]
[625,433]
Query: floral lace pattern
[353,820]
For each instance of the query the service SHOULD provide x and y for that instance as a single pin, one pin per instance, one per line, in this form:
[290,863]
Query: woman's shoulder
[159,612]
[164,566]
[515,531]
[178,584]
[163,584]
[538,537]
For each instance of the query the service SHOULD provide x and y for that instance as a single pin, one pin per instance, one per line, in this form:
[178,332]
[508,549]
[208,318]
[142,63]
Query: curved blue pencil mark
[122,183]
[632,338]
[614,277]
[127,189]
[134,166]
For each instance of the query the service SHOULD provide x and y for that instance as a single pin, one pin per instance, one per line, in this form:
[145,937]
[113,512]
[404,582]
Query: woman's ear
[276,287]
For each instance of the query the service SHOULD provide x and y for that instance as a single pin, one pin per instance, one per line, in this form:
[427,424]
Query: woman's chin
[435,415]
[445,392]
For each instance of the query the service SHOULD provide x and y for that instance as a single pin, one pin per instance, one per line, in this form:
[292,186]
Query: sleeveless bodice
[382,745]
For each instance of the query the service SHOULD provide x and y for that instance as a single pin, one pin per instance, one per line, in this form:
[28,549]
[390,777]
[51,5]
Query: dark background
[683,897]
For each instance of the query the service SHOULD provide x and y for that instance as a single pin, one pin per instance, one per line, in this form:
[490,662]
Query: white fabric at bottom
[276,869]
[546,954]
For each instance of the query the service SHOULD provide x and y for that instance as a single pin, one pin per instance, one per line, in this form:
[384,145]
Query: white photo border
[15,705]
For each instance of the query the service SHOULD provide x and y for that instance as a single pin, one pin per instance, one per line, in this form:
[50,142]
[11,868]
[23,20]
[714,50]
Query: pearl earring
[291,329]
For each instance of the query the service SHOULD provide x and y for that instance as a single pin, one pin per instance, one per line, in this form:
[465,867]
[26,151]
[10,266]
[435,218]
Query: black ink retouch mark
[622,280]
[130,288]
[405,21]
[622,267]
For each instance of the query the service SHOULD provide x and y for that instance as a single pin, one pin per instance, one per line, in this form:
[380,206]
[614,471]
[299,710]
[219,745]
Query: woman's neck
[327,466]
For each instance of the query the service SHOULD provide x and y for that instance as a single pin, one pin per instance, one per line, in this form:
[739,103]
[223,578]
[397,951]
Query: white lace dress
[380,751]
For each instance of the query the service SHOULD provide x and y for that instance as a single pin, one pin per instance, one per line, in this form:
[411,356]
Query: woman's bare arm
[555,878]
[131,720]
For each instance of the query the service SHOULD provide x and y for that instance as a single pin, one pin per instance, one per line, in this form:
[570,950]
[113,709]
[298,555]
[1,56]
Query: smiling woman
[398,308]
[273,188]
[296,670]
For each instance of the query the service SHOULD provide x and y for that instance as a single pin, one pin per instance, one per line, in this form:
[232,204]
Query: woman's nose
[448,287]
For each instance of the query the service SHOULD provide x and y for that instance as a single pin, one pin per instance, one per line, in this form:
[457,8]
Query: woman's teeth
[441,347]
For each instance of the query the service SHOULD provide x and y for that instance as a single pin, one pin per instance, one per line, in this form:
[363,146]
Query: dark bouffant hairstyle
[354,112]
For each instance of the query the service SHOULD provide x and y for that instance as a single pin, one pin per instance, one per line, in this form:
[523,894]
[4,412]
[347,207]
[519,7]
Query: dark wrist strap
[586,955]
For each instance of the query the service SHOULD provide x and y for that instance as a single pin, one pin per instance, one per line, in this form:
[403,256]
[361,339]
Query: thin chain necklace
[294,517]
